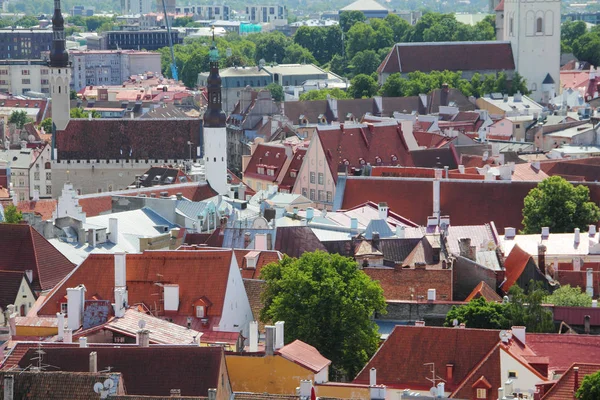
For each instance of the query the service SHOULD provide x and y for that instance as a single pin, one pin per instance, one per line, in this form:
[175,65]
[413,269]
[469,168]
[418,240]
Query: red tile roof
[43,208]
[23,248]
[399,361]
[264,257]
[500,6]
[420,172]
[451,56]
[10,282]
[412,284]
[514,266]
[146,371]
[564,387]
[305,355]
[485,375]
[198,274]
[127,138]
[355,145]
[268,157]
[288,181]
[484,290]
[563,350]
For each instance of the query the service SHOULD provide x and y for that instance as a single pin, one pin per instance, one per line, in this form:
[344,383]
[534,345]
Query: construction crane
[173,64]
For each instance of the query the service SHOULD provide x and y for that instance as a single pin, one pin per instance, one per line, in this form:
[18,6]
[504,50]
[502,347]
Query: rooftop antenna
[434,378]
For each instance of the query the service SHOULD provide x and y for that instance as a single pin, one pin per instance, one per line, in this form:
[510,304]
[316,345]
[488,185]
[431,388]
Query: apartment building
[263,14]
[206,12]
[19,77]
[152,39]
[23,44]
[129,7]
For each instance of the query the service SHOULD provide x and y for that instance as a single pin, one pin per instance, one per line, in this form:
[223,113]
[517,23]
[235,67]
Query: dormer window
[482,393]
[378,159]
[261,170]
[293,173]
[346,162]
[394,158]
[252,259]
[200,312]
[362,161]
[63,308]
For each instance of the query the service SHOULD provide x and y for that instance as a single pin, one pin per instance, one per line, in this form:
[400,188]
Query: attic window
[200,312]
[482,393]
[378,159]
[293,173]
[362,161]
[277,155]
[63,308]
[394,158]
[299,157]
[267,154]
[346,162]
[261,170]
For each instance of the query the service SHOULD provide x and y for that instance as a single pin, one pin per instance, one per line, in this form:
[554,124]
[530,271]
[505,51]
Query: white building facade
[19,77]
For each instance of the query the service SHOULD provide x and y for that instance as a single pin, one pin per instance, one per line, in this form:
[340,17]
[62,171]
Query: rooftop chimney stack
[93,362]
[75,303]
[545,232]
[310,213]
[60,321]
[68,336]
[113,232]
[440,390]
[436,198]
[143,338]
[279,336]
[589,282]
[253,337]
[519,333]
[9,383]
[575,379]
[592,230]
[212,394]
[383,210]
[373,377]
[83,342]
[306,387]
[576,236]
[269,339]
[450,373]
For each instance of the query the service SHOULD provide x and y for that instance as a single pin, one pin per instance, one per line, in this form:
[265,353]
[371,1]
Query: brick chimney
[542,258]
[445,92]
[575,379]
[450,374]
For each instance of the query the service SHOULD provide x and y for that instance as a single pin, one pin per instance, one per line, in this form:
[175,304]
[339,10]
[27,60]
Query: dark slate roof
[296,240]
[10,282]
[146,371]
[49,385]
[397,250]
[451,56]
[454,98]
[435,158]
[23,248]
[548,79]
[166,111]
[162,176]
[310,109]
[128,138]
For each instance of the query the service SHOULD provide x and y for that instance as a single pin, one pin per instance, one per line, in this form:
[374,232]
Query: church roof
[500,6]
[548,80]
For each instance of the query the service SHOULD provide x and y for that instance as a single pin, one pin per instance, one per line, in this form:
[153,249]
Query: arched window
[47,165]
[539,25]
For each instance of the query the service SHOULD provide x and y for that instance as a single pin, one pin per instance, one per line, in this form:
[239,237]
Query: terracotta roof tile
[563,388]
[288,180]
[399,361]
[563,350]
[146,371]
[268,157]
[484,290]
[23,248]
[198,274]
[305,355]
[514,266]
[43,208]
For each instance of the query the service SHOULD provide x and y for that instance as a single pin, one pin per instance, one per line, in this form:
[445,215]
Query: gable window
[512,374]
[312,178]
[320,178]
[482,393]
[539,25]
[199,311]
[63,308]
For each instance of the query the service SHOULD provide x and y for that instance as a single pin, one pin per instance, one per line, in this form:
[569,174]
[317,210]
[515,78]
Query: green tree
[296,54]
[525,308]
[323,93]
[276,91]
[73,95]
[557,204]
[363,86]
[270,46]
[569,297]
[590,387]
[182,21]
[323,42]
[571,31]
[327,302]
[349,18]
[27,21]
[480,314]
[360,37]
[364,62]
[81,113]
[339,65]
[394,86]
[400,27]
[94,22]
[12,215]
[587,48]
[47,125]
[518,84]
[19,118]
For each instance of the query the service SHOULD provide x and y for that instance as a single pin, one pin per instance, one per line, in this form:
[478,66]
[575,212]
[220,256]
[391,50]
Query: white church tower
[533,28]
[60,74]
[215,135]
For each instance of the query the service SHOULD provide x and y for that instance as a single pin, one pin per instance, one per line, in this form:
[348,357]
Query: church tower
[60,72]
[215,136]
[533,28]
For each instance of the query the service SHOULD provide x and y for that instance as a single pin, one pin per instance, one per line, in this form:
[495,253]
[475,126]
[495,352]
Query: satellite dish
[433,391]
[108,383]
[98,387]
[455,322]
[142,324]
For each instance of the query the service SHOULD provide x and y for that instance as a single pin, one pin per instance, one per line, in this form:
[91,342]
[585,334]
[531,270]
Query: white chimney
[310,213]
[93,362]
[419,323]
[508,387]
[60,322]
[510,233]
[545,231]
[279,337]
[400,231]
[461,169]
[430,294]
[592,230]
[519,333]
[589,282]
[9,383]
[171,293]
[577,264]
[383,210]
[68,336]
[121,301]
[305,388]
[436,198]
[113,230]
[120,269]
[576,236]
[75,303]
[372,377]
[253,336]
[440,390]
[83,342]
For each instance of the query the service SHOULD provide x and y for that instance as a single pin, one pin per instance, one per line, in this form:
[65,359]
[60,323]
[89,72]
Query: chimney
[247,240]
[92,237]
[279,337]
[575,379]
[510,233]
[212,394]
[519,333]
[576,236]
[179,196]
[592,230]
[383,210]
[310,213]
[589,282]
[545,232]
[353,225]
[113,230]
[444,94]
[143,338]
[253,337]
[542,258]
[501,393]
[75,303]
[441,389]
[306,387]
[60,321]
[83,342]
[461,169]
[450,373]
[269,339]
[9,383]
[464,244]
[375,240]
[400,231]
[93,362]
[577,264]
[68,336]
[29,274]
[436,198]
[586,324]
[419,323]
[430,294]
[372,377]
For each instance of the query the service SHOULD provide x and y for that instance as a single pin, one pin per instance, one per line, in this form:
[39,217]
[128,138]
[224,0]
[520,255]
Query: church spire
[214,115]
[59,58]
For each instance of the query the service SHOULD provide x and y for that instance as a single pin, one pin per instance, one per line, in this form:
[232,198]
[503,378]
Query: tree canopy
[323,93]
[363,86]
[81,113]
[327,302]
[47,125]
[569,297]
[557,204]
[478,313]
[12,215]
[19,118]
[590,387]
[276,91]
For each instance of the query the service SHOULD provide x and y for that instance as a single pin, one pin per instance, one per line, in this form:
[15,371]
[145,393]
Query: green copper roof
[213,53]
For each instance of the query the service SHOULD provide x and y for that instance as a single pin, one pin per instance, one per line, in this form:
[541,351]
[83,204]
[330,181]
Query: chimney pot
[372,377]
[269,339]
[279,336]
[575,379]
[83,342]
[253,337]
[93,362]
